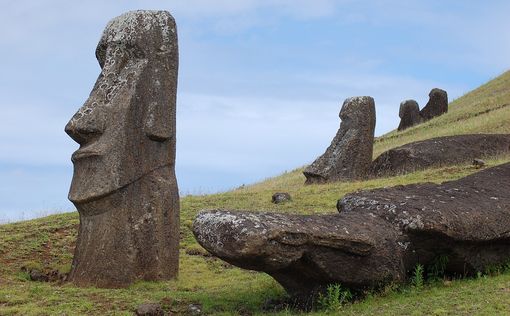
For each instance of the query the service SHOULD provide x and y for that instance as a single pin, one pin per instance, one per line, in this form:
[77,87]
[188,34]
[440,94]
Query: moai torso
[124,184]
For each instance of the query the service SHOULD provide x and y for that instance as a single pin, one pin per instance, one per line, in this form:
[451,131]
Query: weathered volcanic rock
[441,151]
[149,309]
[379,236]
[409,114]
[281,197]
[478,163]
[437,105]
[124,184]
[350,153]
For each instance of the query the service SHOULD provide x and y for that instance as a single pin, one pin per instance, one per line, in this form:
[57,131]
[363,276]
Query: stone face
[350,153]
[437,105]
[378,238]
[281,197]
[124,184]
[440,151]
[409,114]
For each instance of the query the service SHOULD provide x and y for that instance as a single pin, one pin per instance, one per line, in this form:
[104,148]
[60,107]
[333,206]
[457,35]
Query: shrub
[334,297]
[417,279]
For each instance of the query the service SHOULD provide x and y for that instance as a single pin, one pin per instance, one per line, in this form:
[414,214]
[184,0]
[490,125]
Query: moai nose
[86,124]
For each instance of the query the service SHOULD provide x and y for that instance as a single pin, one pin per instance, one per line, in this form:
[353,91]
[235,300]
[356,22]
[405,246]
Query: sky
[260,82]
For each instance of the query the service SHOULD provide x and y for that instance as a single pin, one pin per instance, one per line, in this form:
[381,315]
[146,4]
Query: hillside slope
[48,243]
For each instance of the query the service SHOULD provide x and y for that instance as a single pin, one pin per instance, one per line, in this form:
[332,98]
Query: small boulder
[39,276]
[281,197]
[409,114]
[194,309]
[149,309]
[437,105]
[478,163]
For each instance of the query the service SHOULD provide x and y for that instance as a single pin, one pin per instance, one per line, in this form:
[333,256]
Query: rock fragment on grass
[149,309]
[478,163]
[281,197]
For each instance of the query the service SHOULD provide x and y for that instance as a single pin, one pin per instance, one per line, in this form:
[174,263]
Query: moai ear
[158,122]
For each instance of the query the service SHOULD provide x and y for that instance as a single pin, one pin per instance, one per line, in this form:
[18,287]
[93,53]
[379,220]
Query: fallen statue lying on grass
[379,237]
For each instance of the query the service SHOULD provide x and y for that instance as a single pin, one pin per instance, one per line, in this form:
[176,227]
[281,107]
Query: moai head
[355,111]
[126,127]
[358,116]
[438,95]
[408,108]
[437,105]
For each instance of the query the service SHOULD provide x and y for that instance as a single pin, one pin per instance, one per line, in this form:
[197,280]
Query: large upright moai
[350,154]
[124,184]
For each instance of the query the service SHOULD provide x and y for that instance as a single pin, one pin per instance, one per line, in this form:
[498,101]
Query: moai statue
[437,105]
[350,154]
[124,184]
[409,114]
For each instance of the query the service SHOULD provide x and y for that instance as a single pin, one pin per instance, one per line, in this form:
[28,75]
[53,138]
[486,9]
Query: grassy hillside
[221,289]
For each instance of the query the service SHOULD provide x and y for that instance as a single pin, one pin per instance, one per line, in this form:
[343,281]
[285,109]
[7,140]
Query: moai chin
[124,183]
[350,154]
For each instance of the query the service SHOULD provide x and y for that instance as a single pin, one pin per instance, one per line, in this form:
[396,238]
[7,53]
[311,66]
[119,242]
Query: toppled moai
[439,152]
[378,238]
[437,105]
[350,154]
[409,114]
[124,183]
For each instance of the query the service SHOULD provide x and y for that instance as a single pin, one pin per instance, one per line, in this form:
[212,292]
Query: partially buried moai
[350,154]
[409,114]
[124,184]
[437,105]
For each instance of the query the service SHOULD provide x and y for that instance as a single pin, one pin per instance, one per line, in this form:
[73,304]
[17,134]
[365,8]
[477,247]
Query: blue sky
[260,82]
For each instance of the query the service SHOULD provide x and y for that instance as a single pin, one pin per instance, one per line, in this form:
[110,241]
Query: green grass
[226,290]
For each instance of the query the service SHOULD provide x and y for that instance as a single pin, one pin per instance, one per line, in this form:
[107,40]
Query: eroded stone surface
[350,153]
[437,105]
[281,197]
[440,151]
[149,309]
[379,236]
[409,114]
[124,184]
